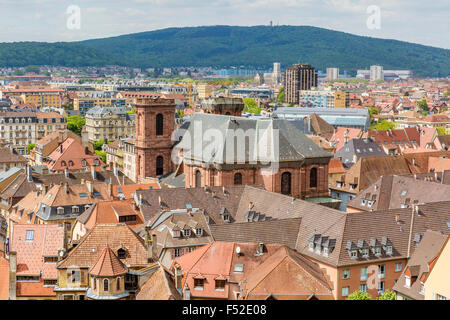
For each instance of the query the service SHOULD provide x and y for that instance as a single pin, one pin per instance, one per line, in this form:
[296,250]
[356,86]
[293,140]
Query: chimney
[261,248]
[66,173]
[45,188]
[93,173]
[66,188]
[149,244]
[178,276]
[140,199]
[397,218]
[12,275]
[90,187]
[82,181]
[250,205]
[159,201]
[29,174]
[186,292]
[115,170]
[154,248]
[110,189]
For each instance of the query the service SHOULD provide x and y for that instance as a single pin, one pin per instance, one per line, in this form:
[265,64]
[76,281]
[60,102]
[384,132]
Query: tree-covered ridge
[224,46]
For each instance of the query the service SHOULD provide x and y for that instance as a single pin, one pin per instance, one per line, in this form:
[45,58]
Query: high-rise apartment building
[332,74]
[298,77]
[376,73]
[276,75]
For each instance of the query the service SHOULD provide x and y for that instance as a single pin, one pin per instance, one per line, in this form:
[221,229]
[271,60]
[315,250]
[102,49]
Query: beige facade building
[109,123]
[437,284]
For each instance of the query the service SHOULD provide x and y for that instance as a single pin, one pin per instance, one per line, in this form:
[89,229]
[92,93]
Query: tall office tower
[298,77]
[332,74]
[376,73]
[276,75]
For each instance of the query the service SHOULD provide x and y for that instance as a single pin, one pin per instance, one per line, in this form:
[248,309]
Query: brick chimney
[110,189]
[12,275]
[90,187]
[178,276]
[93,173]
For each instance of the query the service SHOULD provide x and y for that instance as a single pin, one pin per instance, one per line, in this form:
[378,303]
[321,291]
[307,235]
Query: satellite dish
[238,250]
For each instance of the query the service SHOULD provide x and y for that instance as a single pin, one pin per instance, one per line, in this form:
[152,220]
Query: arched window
[228,114]
[118,284]
[313,178]
[94,280]
[159,124]
[286,183]
[159,166]
[105,285]
[238,179]
[198,179]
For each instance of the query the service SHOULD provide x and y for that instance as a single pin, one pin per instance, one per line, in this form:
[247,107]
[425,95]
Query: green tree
[383,126]
[387,295]
[180,113]
[446,94]
[280,98]
[132,111]
[406,94]
[102,155]
[251,106]
[359,295]
[30,147]
[75,123]
[423,105]
[442,131]
[98,145]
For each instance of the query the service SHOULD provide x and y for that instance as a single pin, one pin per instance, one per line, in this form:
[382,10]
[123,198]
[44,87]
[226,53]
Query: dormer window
[377,251]
[311,246]
[198,284]
[75,209]
[199,232]
[60,210]
[226,217]
[407,282]
[318,249]
[187,232]
[176,233]
[121,253]
[388,250]
[363,202]
[325,252]
[353,254]
[364,253]
[83,163]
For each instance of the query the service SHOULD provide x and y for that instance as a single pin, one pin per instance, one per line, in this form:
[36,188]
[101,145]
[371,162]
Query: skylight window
[83,195]
[97,194]
[238,267]
[404,192]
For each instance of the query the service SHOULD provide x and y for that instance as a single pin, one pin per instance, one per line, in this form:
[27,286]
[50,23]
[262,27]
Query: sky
[418,21]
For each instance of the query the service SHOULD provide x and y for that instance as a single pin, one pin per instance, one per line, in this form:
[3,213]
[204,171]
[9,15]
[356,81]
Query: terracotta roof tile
[108,265]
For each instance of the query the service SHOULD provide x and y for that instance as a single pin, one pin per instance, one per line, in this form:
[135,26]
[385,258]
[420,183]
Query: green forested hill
[224,46]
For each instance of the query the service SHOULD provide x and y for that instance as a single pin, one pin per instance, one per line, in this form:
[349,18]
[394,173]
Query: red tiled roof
[128,190]
[47,239]
[108,265]
[34,289]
